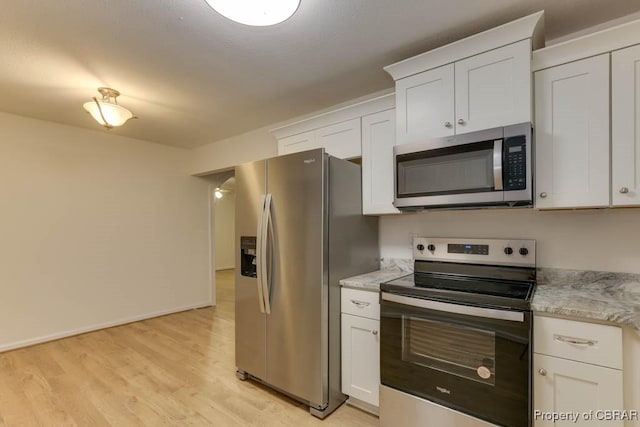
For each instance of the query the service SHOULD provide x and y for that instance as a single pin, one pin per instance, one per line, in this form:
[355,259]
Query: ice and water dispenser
[248,256]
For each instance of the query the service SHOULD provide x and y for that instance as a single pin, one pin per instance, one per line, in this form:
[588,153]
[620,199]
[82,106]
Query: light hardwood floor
[173,370]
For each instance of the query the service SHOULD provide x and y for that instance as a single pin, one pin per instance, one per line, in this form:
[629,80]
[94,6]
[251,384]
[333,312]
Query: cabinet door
[494,88]
[424,105]
[342,140]
[562,386]
[296,143]
[378,139]
[625,131]
[572,134]
[361,358]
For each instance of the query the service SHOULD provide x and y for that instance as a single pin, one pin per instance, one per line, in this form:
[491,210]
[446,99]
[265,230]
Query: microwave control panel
[515,163]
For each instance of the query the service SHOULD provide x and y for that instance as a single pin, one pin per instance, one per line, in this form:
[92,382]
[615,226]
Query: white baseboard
[365,406]
[96,327]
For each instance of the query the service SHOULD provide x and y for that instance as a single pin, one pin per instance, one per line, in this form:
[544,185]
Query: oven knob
[431,247]
[420,247]
[523,251]
[508,250]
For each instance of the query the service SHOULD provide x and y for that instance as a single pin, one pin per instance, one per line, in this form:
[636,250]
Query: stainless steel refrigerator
[300,229]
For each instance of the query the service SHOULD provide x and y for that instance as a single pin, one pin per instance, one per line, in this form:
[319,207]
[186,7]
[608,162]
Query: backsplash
[596,239]
[397,264]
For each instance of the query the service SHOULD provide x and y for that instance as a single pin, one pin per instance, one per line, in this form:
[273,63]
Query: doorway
[224,202]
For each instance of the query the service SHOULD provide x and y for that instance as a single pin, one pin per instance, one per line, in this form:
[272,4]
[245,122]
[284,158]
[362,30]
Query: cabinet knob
[543,195]
[542,372]
[448,125]
[461,122]
[374,332]
[624,190]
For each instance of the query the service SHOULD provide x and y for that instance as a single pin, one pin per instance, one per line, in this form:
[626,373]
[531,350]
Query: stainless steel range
[455,335]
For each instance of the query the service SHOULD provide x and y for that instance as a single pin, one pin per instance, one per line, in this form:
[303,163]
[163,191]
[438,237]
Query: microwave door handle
[497,165]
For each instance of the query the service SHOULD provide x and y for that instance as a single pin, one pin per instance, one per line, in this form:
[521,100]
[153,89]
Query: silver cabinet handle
[461,122]
[574,341]
[542,372]
[360,304]
[374,332]
[624,190]
[543,195]
[448,125]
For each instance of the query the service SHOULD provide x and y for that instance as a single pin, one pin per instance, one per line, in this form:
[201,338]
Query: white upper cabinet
[339,131]
[341,140]
[378,139]
[296,143]
[480,82]
[625,132]
[425,105]
[494,88]
[572,134]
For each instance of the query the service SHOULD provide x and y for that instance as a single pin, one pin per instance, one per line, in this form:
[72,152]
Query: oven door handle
[489,313]
[497,164]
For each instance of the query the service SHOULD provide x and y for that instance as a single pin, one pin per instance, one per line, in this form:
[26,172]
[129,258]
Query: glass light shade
[114,114]
[218,194]
[258,13]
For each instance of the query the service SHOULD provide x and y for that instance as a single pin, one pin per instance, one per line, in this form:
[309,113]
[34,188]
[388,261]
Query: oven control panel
[515,252]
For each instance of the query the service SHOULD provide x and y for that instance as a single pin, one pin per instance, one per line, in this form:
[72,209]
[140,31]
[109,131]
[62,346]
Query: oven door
[472,359]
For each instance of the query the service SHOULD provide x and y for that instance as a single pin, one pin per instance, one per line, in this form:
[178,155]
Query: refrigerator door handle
[259,255]
[266,227]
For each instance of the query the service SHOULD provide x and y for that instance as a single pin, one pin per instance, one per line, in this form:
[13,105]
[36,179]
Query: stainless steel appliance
[300,227]
[455,344]
[485,168]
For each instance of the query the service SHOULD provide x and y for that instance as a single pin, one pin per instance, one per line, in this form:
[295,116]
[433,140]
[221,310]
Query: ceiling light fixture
[106,110]
[218,193]
[259,13]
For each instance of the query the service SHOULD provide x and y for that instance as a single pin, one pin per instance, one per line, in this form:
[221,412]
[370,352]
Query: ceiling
[193,77]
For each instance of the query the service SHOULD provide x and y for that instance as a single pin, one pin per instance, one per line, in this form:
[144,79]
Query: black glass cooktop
[473,290]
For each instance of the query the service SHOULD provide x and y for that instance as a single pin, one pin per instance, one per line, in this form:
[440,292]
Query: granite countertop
[584,295]
[389,269]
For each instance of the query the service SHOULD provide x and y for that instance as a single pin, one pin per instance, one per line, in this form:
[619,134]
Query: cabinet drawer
[580,341]
[361,303]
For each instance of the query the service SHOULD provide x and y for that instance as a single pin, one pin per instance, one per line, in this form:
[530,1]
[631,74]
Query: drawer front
[579,341]
[361,303]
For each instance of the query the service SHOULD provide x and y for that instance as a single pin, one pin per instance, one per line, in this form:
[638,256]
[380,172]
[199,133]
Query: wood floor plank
[175,370]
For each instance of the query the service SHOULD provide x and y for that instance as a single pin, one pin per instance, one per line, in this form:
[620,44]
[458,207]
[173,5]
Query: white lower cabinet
[566,386]
[361,358]
[577,369]
[361,348]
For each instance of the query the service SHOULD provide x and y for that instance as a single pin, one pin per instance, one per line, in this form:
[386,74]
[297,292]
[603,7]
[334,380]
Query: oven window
[462,351]
[460,169]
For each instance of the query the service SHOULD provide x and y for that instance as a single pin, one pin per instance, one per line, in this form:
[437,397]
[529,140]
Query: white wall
[225,225]
[604,240]
[225,154]
[95,229]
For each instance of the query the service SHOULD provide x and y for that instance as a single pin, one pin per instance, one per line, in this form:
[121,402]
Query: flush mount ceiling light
[106,110]
[259,13]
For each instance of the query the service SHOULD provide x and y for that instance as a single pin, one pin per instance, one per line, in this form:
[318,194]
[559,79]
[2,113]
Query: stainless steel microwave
[492,167]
